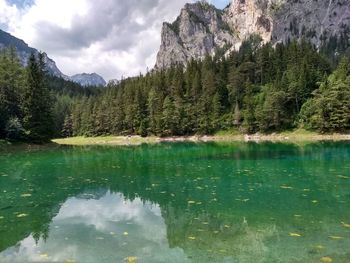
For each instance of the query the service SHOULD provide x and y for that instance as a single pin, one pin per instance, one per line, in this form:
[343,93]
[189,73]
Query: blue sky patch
[220,3]
[21,3]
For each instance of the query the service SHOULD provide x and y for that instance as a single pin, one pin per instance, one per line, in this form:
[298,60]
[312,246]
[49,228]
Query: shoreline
[288,137]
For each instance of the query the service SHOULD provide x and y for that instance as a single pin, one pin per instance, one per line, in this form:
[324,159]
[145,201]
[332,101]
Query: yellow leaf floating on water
[26,195]
[319,247]
[314,201]
[44,255]
[335,237]
[1,217]
[191,202]
[22,215]
[69,261]
[131,259]
[125,233]
[343,177]
[294,235]
[346,225]
[192,238]
[286,187]
[326,259]
[297,215]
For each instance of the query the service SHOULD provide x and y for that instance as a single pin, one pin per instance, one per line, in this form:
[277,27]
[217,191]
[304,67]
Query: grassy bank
[297,135]
[287,136]
[107,140]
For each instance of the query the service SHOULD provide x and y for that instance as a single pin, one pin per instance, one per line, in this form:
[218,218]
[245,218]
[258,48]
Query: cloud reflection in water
[107,229]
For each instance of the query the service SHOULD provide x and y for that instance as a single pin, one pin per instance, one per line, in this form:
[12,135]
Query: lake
[177,202]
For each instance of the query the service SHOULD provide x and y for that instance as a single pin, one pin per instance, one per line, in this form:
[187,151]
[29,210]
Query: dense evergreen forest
[33,104]
[259,88]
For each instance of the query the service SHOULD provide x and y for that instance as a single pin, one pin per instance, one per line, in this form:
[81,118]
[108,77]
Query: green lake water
[181,202]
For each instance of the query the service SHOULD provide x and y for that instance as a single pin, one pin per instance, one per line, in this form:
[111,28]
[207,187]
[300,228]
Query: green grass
[299,132]
[230,132]
[297,135]
[106,140]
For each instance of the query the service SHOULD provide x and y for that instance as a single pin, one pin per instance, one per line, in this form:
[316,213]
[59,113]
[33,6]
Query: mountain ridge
[24,51]
[89,79]
[202,29]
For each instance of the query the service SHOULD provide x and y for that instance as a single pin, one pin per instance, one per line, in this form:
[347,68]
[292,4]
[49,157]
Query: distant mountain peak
[89,79]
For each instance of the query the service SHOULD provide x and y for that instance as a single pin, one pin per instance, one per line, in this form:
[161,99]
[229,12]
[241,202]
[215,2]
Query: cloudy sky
[113,38]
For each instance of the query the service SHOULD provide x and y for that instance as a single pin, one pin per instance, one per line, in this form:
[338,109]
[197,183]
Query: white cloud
[112,37]
[8,15]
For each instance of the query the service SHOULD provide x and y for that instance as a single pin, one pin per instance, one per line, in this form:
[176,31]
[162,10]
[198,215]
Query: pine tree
[37,109]
[67,130]
[168,122]
[11,88]
[249,111]
[329,110]
[153,110]
[216,113]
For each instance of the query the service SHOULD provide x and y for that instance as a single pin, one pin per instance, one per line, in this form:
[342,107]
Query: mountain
[24,51]
[202,29]
[85,79]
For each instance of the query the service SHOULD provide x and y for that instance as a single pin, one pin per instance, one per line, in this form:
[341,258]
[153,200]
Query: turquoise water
[184,202]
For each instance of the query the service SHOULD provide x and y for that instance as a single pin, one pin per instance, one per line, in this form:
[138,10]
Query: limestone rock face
[202,29]
[314,20]
[199,30]
[247,17]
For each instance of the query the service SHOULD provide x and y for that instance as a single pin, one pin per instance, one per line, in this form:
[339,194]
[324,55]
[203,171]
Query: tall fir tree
[37,102]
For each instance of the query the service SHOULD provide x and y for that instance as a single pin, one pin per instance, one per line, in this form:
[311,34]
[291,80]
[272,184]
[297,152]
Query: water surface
[183,202]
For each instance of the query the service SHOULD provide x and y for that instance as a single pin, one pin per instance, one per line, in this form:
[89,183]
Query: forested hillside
[33,104]
[259,88]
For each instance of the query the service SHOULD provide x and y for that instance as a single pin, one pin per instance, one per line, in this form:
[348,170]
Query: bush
[14,129]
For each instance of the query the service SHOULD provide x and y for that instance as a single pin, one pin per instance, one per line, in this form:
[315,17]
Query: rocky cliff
[202,29]
[199,30]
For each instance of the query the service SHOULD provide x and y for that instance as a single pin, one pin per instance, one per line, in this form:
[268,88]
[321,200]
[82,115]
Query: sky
[113,38]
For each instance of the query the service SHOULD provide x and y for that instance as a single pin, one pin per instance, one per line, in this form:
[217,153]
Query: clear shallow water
[177,203]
